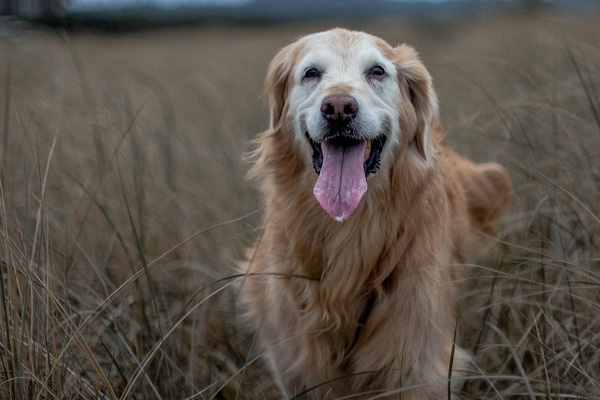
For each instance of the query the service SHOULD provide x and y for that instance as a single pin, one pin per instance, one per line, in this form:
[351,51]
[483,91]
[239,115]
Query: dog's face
[350,99]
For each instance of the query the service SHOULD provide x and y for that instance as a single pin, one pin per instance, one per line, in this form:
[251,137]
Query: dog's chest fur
[347,281]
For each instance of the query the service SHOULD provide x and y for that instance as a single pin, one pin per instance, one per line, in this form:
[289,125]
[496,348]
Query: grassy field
[123,205]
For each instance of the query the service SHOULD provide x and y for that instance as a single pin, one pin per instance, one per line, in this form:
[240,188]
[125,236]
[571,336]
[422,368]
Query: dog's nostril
[327,109]
[350,109]
[339,108]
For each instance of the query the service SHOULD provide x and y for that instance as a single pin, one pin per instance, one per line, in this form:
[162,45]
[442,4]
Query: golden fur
[368,305]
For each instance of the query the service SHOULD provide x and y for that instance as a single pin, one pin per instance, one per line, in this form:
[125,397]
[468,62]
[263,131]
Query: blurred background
[177,11]
[124,211]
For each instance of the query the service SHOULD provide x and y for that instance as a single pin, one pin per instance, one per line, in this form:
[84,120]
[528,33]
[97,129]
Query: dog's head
[350,99]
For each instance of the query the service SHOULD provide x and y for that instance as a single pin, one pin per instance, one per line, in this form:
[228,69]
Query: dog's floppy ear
[278,81]
[415,81]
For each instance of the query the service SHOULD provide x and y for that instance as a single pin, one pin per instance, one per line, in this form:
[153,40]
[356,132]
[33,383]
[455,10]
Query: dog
[368,219]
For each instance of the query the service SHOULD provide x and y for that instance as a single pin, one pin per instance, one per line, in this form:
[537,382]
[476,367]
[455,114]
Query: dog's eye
[377,71]
[312,73]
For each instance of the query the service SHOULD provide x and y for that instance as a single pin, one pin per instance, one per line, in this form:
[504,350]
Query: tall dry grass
[123,205]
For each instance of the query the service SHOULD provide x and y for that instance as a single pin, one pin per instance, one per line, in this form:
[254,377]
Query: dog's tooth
[367,150]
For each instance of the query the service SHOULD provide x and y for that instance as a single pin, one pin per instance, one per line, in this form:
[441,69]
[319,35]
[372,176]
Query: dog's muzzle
[344,158]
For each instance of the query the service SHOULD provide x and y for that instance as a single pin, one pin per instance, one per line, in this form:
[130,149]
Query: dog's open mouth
[343,164]
[371,157]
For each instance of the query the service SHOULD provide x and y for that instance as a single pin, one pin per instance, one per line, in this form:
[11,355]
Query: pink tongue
[341,183]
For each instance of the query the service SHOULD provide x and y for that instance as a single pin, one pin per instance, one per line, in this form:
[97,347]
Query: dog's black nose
[339,108]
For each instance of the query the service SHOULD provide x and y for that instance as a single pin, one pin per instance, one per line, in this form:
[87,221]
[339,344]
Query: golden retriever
[368,217]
